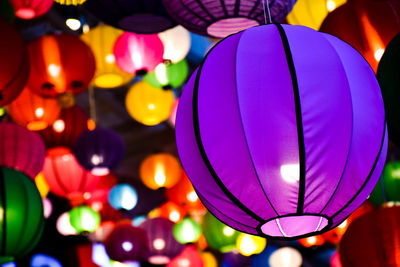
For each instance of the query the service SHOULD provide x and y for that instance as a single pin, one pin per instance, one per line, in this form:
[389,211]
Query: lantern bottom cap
[293,226]
[109,81]
[224,27]
[100,171]
[25,13]
[37,125]
[159,259]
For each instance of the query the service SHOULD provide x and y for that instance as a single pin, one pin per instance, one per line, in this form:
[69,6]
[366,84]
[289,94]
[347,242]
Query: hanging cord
[269,12]
[92,104]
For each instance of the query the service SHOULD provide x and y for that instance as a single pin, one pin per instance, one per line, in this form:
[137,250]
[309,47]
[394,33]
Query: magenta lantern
[138,53]
[21,149]
[29,9]
[282,131]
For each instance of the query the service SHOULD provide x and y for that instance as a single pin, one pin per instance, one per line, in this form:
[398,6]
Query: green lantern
[187,231]
[167,75]
[388,187]
[218,235]
[21,215]
[84,219]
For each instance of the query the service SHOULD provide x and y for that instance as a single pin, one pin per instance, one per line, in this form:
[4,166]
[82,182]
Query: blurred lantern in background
[168,76]
[188,257]
[311,13]
[101,232]
[41,260]
[170,211]
[31,9]
[388,187]
[47,207]
[367,25]
[64,226]
[209,259]
[102,190]
[21,149]
[176,43]
[138,54]
[33,111]
[311,241]
[60,63]
[22,215]
[286,257]
[199,47]
[225,17]
[99,151]
[14,66]
[42,185]
[101,40]
[84,219]
[123,196]
[248,245]
[174,109]
[64,175]
[162,245]
[160,170]
[70,2]
[187,231]
[147,104]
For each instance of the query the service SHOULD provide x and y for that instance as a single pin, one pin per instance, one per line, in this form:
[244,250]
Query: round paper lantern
[167,75]
[101,40]
[22,214]
[379,247]
[138,53]
[311,13]
[99,150]
[21,149]
[285,257]
[187,231]
[188,257]
[248,150]
[123,196]
[209,259]
[367,25]
[388,187]
[33,111]
[64,175]
[162,245]
[160,170]
[250,244]
[176,43]
[225,17]
[70,2]
[126,243]
[84,219]
[31,9]
[64,226]
[139,16]
[14,66]
[60,63]
[147,104]
[100,194]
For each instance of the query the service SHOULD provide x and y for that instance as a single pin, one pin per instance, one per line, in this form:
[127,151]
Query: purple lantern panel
[282,131]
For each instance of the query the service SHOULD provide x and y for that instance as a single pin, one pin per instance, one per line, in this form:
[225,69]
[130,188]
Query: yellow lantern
[209,259]
[149,105]
[160,170]
[250,244]
[42,185]
[311,13]
[101,40]
[70,2]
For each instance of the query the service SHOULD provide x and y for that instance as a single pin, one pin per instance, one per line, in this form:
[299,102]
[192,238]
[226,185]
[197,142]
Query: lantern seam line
[299,120]
[4,219]
[204,9]
[254,8]
[26,207]
[223,7]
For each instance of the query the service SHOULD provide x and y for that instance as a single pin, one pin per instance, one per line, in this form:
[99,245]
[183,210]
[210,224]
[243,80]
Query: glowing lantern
[14,66]
[22,215]
[170,211]
[101,40]
[162,244]
[147,104]
[232,147]
[311,241]
[21,149]
[209,259]
[64,175]
[70,2]
[370,26]
[60,63]
[167,75]
[285,257]
[388,187]
[139,16]
[160,170]
[64,226]
[84,219]
[311,13]
[42,185]
[250,244]
[123,196]
[31,9]
[99,150]
[33,111]
[189,257]
[126,243]
[176,43]
[225,17]
[187,231]
[218,235]
[102,190]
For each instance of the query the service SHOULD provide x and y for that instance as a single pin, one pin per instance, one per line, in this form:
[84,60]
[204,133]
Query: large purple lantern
[282,131]
[224,17]
[138,16]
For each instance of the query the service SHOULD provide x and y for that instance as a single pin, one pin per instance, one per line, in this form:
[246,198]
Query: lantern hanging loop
[269,12]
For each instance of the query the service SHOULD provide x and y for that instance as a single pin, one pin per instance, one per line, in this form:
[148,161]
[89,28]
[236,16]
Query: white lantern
[63,225]
[285,257]
[176,43]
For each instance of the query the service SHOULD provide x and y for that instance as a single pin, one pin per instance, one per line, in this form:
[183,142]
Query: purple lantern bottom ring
[225,27]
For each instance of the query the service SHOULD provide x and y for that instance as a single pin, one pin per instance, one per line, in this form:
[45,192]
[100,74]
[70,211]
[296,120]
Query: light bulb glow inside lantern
[39,112]
[285,257]
[396,173]
[184,263]
[161,74]
[159,244]
[59,126]
[127,246]
[151,106]
[136,58]
[54,70]
[64,226]
[73,24]
[128,201]
[227,231]
[88,222]
[330,5]
[192,196]
[250,244]
[96,159]
[343,224]
[378,54]
[290,173]
[159,177]
[174,216]
[311,240]
[110,58]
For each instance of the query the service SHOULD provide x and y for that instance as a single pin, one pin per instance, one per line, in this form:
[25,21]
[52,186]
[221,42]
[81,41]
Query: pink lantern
[32,8]
[137,53]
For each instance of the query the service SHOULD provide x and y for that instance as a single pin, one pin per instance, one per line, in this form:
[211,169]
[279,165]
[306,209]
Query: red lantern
[60,63]
[188,257]
[14,64]
[64,131]
[64,175]
[100,193]
[33,111]
[32,8]
[368,25]
[21,149]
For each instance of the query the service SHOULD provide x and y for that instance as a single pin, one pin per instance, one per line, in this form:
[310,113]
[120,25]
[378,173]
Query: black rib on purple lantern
[220,18]
[162,245]
[282,131]
[99,150]
[138,16]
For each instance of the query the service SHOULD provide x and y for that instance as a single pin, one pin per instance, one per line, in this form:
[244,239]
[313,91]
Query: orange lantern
[170,211]
[33,111]
[311,241]
[160,170]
